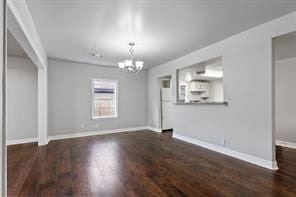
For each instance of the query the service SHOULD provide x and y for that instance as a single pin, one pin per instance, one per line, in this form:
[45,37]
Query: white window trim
[93,96]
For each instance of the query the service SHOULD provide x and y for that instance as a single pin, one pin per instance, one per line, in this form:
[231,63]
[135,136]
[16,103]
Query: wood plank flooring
[141,163]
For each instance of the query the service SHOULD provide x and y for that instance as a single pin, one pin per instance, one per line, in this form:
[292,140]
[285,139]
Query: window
[104,98]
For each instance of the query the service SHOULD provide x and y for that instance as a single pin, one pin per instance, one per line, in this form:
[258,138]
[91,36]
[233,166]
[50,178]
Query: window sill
[104,117]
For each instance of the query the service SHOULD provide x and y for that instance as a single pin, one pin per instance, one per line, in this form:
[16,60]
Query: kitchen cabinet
[205,95]
[197,86]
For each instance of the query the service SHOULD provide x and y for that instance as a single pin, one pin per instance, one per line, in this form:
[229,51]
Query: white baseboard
[92,133]
[72,135]
[285,144]
[272,165]
[154,129]
[21,141]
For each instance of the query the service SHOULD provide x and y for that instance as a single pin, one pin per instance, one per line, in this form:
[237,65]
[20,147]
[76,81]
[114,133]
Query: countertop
[202,103]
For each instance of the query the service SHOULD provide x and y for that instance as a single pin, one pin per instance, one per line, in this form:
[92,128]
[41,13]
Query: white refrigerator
[166,108]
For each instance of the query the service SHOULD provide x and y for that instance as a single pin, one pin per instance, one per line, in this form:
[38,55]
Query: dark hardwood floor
[141,163]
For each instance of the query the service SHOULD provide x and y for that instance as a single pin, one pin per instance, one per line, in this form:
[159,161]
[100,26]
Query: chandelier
[131,65]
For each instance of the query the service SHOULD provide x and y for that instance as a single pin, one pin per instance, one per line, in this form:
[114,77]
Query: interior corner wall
[21,98]
[247,122]
[285,81]
[70,98]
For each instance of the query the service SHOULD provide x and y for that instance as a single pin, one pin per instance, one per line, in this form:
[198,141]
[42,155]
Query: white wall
[285,99]
[21,98]
[246,123]
[70,100]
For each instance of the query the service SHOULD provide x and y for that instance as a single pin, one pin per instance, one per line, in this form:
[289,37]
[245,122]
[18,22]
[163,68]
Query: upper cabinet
[197,86]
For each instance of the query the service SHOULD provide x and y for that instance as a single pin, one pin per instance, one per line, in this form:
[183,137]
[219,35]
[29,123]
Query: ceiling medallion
[131,65]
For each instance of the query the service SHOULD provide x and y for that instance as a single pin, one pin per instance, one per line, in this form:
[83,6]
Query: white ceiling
[13,47]
[162,30]
[285,46]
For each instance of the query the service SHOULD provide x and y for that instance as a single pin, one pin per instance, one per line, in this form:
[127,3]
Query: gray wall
[70,99]
[21,98]
[286,99]
[247,123]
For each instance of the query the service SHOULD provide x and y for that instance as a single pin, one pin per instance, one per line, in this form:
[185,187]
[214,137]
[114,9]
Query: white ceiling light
[130,65]
[188,77]
[97,55]
[214,74]
[213,71]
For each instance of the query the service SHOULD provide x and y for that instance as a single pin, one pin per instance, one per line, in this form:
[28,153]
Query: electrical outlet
[222,141]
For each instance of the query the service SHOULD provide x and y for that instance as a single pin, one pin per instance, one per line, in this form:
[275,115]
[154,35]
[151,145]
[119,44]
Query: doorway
[284,100]
[166,103]
[285,92]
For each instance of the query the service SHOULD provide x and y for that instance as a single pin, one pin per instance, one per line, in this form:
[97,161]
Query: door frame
[273,77]
[3,148]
